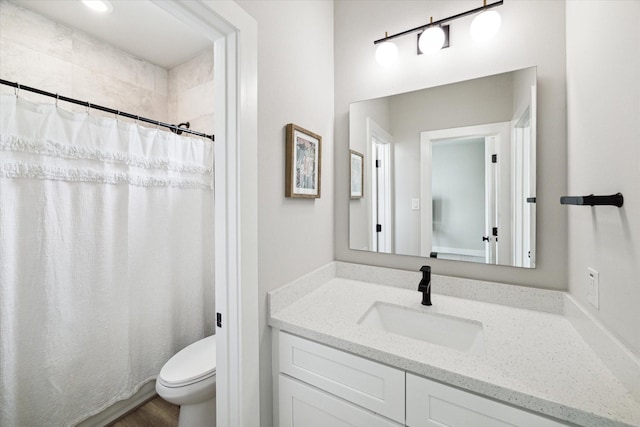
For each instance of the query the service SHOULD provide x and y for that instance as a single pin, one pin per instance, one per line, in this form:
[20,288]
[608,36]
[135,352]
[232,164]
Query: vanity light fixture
[386,53]
[433,36]
[485,25]
[431,40]
[100,6]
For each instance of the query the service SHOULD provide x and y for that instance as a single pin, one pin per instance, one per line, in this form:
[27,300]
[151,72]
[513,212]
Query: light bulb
[485,25]
[431,40]
[386,53]
[101,6]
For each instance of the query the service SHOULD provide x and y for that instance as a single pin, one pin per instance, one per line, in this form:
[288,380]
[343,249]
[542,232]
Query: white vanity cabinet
[317,382]
[433,404]
[302,405]
[321,386]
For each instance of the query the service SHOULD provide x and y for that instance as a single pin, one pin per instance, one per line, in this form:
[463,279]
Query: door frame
[375,132]
[234,35]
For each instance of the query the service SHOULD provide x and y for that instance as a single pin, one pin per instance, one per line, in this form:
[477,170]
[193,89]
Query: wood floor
[155,413]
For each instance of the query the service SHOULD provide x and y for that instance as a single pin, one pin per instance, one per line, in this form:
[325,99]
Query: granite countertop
[532,359]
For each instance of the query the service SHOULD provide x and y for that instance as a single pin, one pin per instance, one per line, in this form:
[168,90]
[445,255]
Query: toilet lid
[191,364]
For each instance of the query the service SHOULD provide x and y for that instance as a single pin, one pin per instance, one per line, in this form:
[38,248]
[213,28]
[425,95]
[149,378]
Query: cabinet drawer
[302,405]
[432,404]
[371,385]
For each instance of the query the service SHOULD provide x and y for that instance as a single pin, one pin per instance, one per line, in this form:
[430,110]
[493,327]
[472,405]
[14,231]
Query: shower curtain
[106,258]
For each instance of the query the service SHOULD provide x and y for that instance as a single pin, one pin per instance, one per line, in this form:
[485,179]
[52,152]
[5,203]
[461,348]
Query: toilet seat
[192,364]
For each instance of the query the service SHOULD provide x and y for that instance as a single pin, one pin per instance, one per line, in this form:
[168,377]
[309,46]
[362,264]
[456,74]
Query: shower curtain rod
[174,128]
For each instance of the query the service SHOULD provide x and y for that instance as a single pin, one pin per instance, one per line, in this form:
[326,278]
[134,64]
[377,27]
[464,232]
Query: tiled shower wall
[191,92]
[36,51]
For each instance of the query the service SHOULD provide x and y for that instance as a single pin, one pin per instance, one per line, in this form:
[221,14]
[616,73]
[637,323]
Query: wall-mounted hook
[591,200]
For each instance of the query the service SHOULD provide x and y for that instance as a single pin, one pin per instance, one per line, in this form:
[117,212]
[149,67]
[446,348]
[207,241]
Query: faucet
[425,285]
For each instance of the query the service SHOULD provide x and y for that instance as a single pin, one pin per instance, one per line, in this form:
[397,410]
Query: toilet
[188,379]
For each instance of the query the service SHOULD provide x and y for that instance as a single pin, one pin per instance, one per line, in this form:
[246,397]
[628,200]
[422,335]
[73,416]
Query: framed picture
[302,163]
[357,175]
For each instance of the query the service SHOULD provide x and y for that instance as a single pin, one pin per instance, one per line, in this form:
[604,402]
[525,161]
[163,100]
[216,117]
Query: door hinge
[379,228]
[494,158]
[495,231]
[219,320]
[378,163]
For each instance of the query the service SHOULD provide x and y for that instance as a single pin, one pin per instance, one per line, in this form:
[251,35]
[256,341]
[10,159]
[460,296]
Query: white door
[381,194]
[302,405]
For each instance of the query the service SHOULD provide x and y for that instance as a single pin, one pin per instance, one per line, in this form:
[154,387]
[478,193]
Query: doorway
[234,34]
[461,180]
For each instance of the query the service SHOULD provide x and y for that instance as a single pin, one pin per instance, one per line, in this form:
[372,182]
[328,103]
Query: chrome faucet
[425,285]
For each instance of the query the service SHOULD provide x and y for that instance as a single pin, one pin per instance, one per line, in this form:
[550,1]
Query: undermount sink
[439,329]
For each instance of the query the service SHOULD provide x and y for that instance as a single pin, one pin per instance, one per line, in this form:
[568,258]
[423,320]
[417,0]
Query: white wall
[295,85]
[519,44]
[603,101]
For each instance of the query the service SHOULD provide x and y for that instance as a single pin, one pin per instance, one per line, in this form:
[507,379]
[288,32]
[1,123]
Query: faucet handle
[426,271]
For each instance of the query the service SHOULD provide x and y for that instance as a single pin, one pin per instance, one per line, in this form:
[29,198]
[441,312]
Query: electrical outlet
[593,280]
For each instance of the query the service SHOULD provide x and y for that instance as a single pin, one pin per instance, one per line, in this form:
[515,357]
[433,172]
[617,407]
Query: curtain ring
[117,114]
[88,107]
[17,89]
[57,99]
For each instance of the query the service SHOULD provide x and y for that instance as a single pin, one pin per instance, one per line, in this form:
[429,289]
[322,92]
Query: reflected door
[381,194]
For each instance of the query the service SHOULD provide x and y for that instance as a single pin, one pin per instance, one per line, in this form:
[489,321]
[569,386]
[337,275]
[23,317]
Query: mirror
[448,172]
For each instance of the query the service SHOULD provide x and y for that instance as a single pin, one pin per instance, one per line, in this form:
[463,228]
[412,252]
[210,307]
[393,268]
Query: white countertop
[533,359]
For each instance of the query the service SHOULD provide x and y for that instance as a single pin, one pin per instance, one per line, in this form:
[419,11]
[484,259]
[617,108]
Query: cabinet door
[432,404]
[366,383]
[302,405]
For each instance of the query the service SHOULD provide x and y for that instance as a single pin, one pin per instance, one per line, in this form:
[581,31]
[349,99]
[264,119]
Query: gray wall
[603,97]
[519,44]
[295,85]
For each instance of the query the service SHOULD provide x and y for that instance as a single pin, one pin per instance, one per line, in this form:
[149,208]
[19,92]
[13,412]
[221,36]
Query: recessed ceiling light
[101,6]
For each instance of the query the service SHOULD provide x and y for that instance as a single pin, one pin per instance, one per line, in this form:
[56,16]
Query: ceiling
[137,27]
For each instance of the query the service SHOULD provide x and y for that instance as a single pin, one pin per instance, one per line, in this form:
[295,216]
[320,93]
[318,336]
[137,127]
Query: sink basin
[439,329]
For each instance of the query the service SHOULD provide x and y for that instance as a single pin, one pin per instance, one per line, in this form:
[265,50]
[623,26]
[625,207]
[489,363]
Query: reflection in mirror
[450,171]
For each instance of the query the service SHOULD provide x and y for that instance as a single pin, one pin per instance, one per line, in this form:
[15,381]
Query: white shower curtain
[106,258]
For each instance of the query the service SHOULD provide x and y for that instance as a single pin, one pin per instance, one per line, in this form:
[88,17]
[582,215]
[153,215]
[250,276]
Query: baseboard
[121,408]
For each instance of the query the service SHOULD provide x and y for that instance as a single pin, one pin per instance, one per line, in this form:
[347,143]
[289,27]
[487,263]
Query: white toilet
[188,379]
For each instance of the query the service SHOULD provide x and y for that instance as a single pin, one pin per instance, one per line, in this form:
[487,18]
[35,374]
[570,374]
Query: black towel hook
[591,200]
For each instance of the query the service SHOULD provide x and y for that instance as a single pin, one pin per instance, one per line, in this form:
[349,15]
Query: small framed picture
[357,175]
[302,163]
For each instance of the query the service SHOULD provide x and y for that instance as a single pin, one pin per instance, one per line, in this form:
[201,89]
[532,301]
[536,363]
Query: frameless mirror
[447,172]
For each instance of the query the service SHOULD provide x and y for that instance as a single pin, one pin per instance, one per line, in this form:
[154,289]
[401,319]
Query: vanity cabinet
[371,385]
[302,405]
[433,404]
[322,386]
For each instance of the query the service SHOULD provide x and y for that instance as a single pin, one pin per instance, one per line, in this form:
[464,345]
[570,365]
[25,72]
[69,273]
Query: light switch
[415,204]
